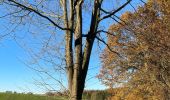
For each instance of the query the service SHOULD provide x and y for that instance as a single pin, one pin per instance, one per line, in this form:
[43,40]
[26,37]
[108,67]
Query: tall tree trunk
[76,93]
[82,60]
[68,45]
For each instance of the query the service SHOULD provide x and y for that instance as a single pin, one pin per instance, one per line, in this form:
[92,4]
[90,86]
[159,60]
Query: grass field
[87,95]
[16,96]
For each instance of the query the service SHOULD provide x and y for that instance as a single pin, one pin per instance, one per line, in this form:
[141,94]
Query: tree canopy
[142,40]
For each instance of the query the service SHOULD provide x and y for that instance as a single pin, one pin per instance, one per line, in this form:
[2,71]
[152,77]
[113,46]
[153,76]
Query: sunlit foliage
[142,41]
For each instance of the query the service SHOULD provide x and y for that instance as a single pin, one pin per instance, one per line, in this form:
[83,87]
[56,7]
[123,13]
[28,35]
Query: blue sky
[16,76]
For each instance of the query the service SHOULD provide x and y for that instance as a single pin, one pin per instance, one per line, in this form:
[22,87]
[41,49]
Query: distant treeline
[87,94]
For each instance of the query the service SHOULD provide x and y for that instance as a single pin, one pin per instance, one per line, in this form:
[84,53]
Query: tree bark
[76,94]
[82,60]
[68,45]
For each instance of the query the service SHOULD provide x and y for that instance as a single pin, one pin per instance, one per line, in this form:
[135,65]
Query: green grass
[87,95]
[16,96]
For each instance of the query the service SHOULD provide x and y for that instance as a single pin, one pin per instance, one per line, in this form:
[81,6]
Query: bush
[95,95]
[49,94]
[99,96]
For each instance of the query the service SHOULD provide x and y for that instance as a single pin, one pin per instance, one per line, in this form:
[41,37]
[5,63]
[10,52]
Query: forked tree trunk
[77,60]
[77,72]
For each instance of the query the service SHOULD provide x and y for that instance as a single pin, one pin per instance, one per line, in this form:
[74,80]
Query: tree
[144,45]
[69,19]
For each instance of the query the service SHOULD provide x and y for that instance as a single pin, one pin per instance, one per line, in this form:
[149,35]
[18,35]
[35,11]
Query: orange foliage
[143,41]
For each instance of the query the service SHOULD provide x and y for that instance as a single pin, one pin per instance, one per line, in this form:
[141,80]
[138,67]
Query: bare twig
[112,13]
[107,46]
[38,13]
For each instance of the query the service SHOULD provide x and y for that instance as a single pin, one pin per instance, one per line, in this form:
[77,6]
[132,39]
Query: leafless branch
[10,14]
[133,7]
[41,71]
[114,12]
[38,13]
[143,1]
[103,31]
[101,40]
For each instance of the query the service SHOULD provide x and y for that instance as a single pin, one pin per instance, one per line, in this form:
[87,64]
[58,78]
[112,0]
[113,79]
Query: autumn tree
[67,17]
[142,39]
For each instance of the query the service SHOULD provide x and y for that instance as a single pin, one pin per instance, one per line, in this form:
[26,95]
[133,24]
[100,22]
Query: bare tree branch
[103,31]
[38,13]
[101,40]
[143,1]
[112,13]
[10,13]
